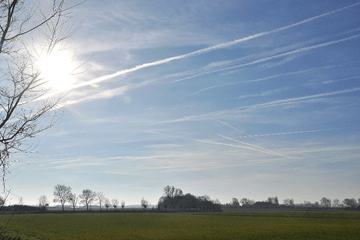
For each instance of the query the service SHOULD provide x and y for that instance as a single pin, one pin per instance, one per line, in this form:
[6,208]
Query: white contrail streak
[287,101]
[255,137]
[256,148]
[195,53]
[303,49]
[269,77]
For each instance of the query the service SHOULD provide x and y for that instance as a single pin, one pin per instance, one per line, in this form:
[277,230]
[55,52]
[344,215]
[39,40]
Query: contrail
[195,53]
[219,114]
[269,77]
[289,133]
[257,148]
[297,99]
[339,80]
[303,49]
[254,137]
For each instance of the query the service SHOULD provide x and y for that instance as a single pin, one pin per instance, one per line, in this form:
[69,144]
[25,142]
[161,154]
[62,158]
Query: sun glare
[57,69]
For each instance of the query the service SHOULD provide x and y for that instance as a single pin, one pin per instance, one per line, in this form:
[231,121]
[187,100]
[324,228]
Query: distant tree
[273,200]
[74,200]
[235,202]
[43,202]
[289,202]
[122,204]
[62,194]
[115,203]
[144,203]
[336,203]
[164,202]
[325,202]
[20,201]
[107,203]
[204,202]
[308,204]
[246,202]
[2,202]
[350,202]
[190,201]
[100,196]
[87,197]
[172,194]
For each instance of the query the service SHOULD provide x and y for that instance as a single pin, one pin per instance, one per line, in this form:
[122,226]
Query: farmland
[195,225]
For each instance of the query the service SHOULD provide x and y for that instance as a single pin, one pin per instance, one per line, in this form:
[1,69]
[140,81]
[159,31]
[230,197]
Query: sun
[57,69]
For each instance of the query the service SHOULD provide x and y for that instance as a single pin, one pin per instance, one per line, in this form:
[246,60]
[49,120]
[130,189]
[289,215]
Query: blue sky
[225,98]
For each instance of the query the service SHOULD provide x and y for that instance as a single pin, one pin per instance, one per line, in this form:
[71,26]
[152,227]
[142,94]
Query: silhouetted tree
[115,203]
[273,200]
[107,203]
[43,202]
[62,194]
[308,204]
[289,202]
[350,202]
[235,202]
[336,203]
[122,204]
[172,194]
[100,196]
[2,202]
[144,203]
[190,201]
[21,80]
[164,202]
[87,197]
[74,200]
[246,202]
[325,202]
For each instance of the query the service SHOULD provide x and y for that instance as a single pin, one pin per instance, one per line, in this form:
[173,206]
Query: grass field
[225,225]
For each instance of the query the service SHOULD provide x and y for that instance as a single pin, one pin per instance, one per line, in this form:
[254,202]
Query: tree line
[324,202]
[63,194]
[172,199]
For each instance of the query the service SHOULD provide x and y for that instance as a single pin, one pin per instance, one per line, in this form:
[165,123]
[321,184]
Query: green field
[225,225]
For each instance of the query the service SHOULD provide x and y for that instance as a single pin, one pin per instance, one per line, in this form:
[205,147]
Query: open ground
[192,225]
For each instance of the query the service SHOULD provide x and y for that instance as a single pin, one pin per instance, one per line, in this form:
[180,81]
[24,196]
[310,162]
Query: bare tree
[144,203]
[235,202]
[246,202]
[325,202]
[289,202]
[115,203]
[107,203]
[22,88]
[336,203]
[43,202]
[74,200]
[2,202]
[100,196]
[172,194]
[350,202]
[87,197]
[122,204]
[273,200]
[62,194]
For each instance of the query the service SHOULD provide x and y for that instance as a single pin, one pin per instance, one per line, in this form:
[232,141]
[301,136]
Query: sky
[246,99]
